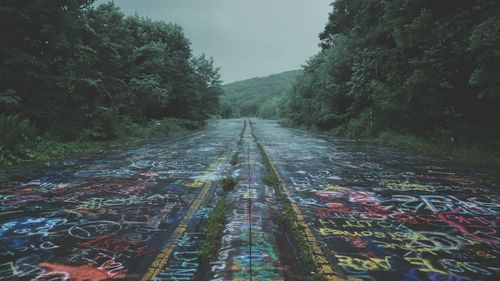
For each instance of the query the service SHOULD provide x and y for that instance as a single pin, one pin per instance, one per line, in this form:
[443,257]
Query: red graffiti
[477,229]
[80,273]
[115,243]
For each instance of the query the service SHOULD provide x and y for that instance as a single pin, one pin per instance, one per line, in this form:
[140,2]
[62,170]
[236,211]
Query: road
[387,214]
[375,213]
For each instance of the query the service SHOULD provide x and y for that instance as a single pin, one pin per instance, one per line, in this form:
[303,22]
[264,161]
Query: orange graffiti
[80,273]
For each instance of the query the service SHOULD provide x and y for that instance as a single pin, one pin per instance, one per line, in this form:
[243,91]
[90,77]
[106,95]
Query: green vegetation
[257,96]
[473,153]
[228,183]
[270,178]
[287,215]
[235,159]
[72,72]
[129,134]
[422,74]
[236,156]
[214,230]
[242,133]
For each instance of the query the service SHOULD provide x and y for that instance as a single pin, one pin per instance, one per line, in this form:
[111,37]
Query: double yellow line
[162,259]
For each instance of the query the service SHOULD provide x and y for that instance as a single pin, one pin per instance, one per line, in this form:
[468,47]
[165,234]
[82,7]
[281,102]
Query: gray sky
[247,38]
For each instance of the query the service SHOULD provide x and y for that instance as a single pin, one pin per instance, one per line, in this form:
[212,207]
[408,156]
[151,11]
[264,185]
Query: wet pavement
[387,214]
[249,248]
[374,213]
[124,215]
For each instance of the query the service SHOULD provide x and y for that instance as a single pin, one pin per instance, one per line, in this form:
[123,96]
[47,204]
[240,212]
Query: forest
[393,70]
[424,68]
[261,97]
[422,74]
[74,71]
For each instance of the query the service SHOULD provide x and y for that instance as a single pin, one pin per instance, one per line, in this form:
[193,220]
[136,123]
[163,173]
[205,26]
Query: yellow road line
[319,256]
[162,259]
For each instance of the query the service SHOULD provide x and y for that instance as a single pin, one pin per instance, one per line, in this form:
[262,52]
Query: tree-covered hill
[257,96]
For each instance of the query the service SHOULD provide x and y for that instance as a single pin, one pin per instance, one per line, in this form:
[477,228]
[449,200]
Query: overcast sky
[247,38]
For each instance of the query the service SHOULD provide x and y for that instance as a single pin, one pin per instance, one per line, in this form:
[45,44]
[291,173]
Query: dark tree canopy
[419,67]
[73,70]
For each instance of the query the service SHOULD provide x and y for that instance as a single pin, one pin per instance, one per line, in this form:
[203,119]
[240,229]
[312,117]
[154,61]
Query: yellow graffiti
[364,264]
[424,265]
[405,186]
[337,232]
[197,183]
[8,270]
[333,187]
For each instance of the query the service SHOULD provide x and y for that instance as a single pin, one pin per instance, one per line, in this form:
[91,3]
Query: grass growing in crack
[288,217]
[214,230]
[270,178]
[228,183]
[235,159]
[242,133]
[236,156]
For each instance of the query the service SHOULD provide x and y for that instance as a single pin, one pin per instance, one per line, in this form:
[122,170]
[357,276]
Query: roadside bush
[105,126]
[16,137]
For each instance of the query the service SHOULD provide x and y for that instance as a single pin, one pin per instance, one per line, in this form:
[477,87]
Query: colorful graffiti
[109,219]
[249,248]
[384,214]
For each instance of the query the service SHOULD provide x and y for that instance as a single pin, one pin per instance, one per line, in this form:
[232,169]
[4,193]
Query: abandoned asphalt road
[138,214]
[385,214]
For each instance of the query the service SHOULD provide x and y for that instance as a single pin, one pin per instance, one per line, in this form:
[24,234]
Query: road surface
[376,213]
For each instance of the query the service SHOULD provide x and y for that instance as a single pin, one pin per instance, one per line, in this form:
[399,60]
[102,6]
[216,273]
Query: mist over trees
[70,70]
[425,67]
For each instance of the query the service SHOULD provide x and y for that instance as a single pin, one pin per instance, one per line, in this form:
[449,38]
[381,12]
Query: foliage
[416,68]
[288,216]
[235,159]
[257,96]
[45,148]
[76,71]
[18,136]
[228,183]
[214,230]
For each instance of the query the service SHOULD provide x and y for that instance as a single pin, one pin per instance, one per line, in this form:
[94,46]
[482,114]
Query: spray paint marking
[319,256]
[162,259]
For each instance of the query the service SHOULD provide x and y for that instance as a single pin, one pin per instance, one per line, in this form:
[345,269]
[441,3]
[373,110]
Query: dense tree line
[421,67]
[71,70]
[260,96]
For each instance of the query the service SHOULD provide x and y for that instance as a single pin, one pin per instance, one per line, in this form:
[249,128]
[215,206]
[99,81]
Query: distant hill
[257,96]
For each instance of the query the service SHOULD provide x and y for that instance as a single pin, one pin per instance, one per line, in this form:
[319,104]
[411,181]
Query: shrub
[214,230]
[235,159]
[16,137]
[228,183]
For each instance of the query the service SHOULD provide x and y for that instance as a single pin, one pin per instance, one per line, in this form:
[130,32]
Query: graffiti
[250,220]
[29,226]
[77,273]
[105,219]
[385,214]
[91,230]
[184,263]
